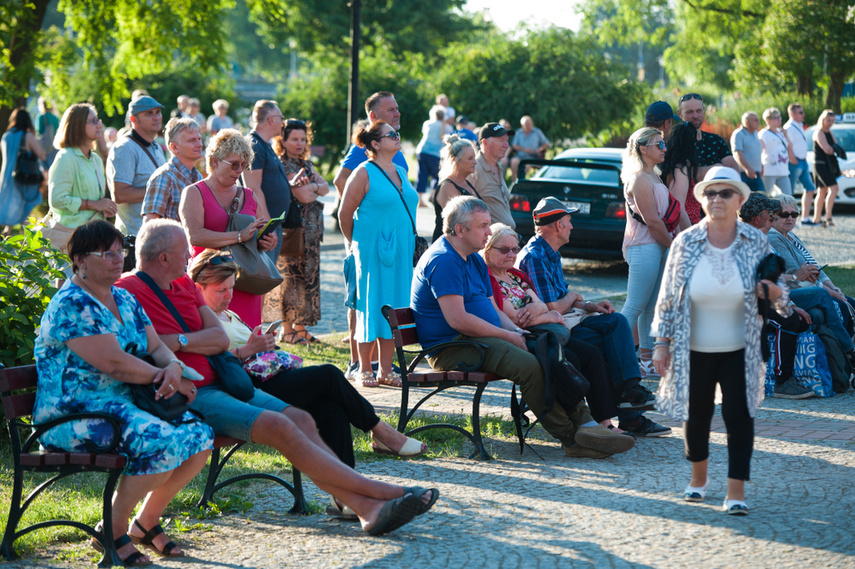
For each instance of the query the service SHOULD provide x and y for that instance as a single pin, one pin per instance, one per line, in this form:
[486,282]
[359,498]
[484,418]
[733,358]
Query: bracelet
[239,238]
[179,362]
[656,344]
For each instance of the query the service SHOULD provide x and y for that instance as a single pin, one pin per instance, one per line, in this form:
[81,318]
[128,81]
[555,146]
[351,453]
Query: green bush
[28,267]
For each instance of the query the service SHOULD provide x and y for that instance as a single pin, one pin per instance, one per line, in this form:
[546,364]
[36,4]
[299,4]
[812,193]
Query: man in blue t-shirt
[452,299]
[381,106]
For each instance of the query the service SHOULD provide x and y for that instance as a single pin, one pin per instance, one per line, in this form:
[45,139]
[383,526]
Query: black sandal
[135,559]
[148,540]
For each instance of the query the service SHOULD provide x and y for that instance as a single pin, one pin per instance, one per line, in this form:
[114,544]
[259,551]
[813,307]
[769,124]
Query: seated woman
[321,390]
[82,365]
[515,297]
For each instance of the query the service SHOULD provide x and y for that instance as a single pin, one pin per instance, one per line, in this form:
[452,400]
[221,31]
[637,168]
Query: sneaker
[792,390]
[735,508]
[644,427]
[808,222]
[638,398]
[352,372]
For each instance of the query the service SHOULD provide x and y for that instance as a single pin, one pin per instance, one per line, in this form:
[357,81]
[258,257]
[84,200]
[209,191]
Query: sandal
[367,379]
[289,338]
[735,508]
[829,223]
[341,512]
[696,494]
[135,559]
[392,378]
[148,541]
[306,335]
[419,492]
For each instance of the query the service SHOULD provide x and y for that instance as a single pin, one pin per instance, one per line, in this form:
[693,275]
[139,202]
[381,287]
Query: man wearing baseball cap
[608,330]
[488,177]
[660,116]
[132,161]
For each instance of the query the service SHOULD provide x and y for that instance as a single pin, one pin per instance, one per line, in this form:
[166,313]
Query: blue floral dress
[67,384]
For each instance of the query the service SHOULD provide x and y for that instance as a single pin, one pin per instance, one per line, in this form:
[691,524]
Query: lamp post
[353,87]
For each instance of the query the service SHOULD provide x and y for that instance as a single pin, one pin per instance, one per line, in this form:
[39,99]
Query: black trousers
[727,370]
[588,359]
[330,399]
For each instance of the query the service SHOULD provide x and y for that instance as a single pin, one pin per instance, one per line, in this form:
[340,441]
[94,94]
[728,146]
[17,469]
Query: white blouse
[716,298]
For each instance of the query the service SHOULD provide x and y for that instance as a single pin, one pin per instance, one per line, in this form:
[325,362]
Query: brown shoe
[576,451]
[602,439]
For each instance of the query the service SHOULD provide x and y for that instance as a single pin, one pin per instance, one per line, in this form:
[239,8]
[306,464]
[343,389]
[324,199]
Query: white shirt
[796,132]
[716,300]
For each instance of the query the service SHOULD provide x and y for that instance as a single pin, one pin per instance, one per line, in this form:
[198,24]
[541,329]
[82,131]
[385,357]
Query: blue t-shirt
[467,134]
[356,155]
[442,271]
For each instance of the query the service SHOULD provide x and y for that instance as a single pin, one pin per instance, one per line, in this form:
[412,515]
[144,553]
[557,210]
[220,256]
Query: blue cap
[144,103]
[660,111]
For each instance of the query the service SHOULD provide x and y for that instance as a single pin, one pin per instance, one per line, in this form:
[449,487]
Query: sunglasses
[725,194]
[236,166]
[660,144]
[295,122]
[108,256]
[688,96]
[792,214]
[506,250]
[220,260]
[394,135]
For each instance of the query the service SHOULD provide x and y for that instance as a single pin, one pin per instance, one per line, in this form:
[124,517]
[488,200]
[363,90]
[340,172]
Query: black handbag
[27,166]
[770,268]
[233,377]
[421,242]
[168,409]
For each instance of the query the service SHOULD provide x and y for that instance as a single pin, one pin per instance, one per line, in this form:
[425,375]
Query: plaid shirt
[542,264]
[163,191]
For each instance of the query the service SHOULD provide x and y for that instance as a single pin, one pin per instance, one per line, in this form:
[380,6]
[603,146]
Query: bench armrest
[40,428]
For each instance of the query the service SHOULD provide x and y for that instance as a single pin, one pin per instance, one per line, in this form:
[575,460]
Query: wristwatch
[179,362]
[182,341]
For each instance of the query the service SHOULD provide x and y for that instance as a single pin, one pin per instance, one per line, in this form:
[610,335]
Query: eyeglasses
[275,117]
[108,256]
[725,194]
[295,122]
[688,96]
[219,260]
[394,135]
[506,250]
[785,215]
[236,166]
[660,144]
[95,122]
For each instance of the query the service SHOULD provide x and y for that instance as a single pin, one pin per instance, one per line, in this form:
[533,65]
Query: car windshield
[576,174]
[845,137]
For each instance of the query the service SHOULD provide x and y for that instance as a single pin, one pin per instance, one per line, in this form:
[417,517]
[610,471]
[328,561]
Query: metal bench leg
[476,424]
[300,507]
[15,514]
[111,556]
[211,480]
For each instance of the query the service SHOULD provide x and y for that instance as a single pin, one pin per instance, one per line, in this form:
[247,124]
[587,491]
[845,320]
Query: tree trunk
[835,91]
[805,82]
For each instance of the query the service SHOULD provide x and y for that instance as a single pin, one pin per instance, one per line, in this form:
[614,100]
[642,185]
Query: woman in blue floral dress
[83,367]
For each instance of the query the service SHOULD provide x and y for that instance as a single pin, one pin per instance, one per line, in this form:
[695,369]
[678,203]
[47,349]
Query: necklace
[81,283]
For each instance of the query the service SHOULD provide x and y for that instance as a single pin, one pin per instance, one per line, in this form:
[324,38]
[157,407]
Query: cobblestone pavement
[545,510]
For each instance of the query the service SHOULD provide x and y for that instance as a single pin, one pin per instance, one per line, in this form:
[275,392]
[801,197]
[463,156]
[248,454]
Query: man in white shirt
[800,171]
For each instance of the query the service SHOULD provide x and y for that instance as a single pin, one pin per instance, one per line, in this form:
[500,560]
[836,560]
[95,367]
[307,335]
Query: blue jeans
[754,184]
[611,334]
[646,263]
[821,306]
[801,172]
[428,168]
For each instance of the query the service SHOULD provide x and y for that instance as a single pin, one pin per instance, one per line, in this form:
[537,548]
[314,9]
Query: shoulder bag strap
[147,153]
[400,194]
[164,299]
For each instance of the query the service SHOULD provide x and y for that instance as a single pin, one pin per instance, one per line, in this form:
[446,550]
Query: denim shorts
[230,416]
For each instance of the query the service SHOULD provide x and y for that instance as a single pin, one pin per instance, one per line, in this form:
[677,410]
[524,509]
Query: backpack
[838,364]
[562,382]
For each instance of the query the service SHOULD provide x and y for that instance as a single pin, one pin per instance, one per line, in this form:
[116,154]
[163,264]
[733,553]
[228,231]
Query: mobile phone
[273,326]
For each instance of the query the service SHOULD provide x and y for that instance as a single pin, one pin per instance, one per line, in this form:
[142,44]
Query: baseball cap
[722,175]
[660,111]
[144,103]
[494,129]
[551,209]
[755,204]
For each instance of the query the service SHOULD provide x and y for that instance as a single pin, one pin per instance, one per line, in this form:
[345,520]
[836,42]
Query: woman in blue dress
[377,216]
[83,367]
[17,200]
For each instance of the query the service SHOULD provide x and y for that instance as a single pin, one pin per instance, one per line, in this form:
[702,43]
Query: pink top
[245,305]
[636,233]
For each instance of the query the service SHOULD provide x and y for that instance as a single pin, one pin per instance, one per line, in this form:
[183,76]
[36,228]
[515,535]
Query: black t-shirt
[711,149]
[274,182]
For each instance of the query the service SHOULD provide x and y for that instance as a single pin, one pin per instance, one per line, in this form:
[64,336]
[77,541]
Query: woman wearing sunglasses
[377,215]
[205,208]
[708,332]
[648,233]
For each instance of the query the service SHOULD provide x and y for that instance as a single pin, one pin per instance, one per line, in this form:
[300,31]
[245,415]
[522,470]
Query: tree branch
[727,11]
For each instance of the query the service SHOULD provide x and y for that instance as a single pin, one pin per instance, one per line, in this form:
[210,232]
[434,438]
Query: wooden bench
[18,393]
[404,334]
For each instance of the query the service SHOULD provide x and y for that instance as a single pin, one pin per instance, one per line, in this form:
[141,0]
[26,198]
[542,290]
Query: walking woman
[708,332]
[647,237]
[826,169]
[18,199]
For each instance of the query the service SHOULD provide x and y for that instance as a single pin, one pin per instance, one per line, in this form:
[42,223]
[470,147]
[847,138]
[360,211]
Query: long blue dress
[383,245]
[67,384]
[16,200]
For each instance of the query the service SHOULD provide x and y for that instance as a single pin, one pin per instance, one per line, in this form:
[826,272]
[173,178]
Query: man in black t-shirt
[711,148]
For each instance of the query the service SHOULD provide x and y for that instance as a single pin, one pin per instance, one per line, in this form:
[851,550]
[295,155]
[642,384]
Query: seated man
[452,299]
[609,331]
[162,254]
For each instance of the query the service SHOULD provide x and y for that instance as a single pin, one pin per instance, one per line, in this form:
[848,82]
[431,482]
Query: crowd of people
[697,226]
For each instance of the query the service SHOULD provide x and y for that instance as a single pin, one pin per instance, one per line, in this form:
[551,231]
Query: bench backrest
[18,390]
[403,325]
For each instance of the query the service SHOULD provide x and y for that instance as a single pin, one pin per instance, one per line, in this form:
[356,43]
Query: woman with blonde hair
[458,162]
[205,208]
[826,169]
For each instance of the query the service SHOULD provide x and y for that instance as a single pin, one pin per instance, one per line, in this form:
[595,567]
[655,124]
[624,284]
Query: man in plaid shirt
[163,191]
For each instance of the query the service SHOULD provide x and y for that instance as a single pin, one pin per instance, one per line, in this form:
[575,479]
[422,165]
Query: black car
[585,178]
